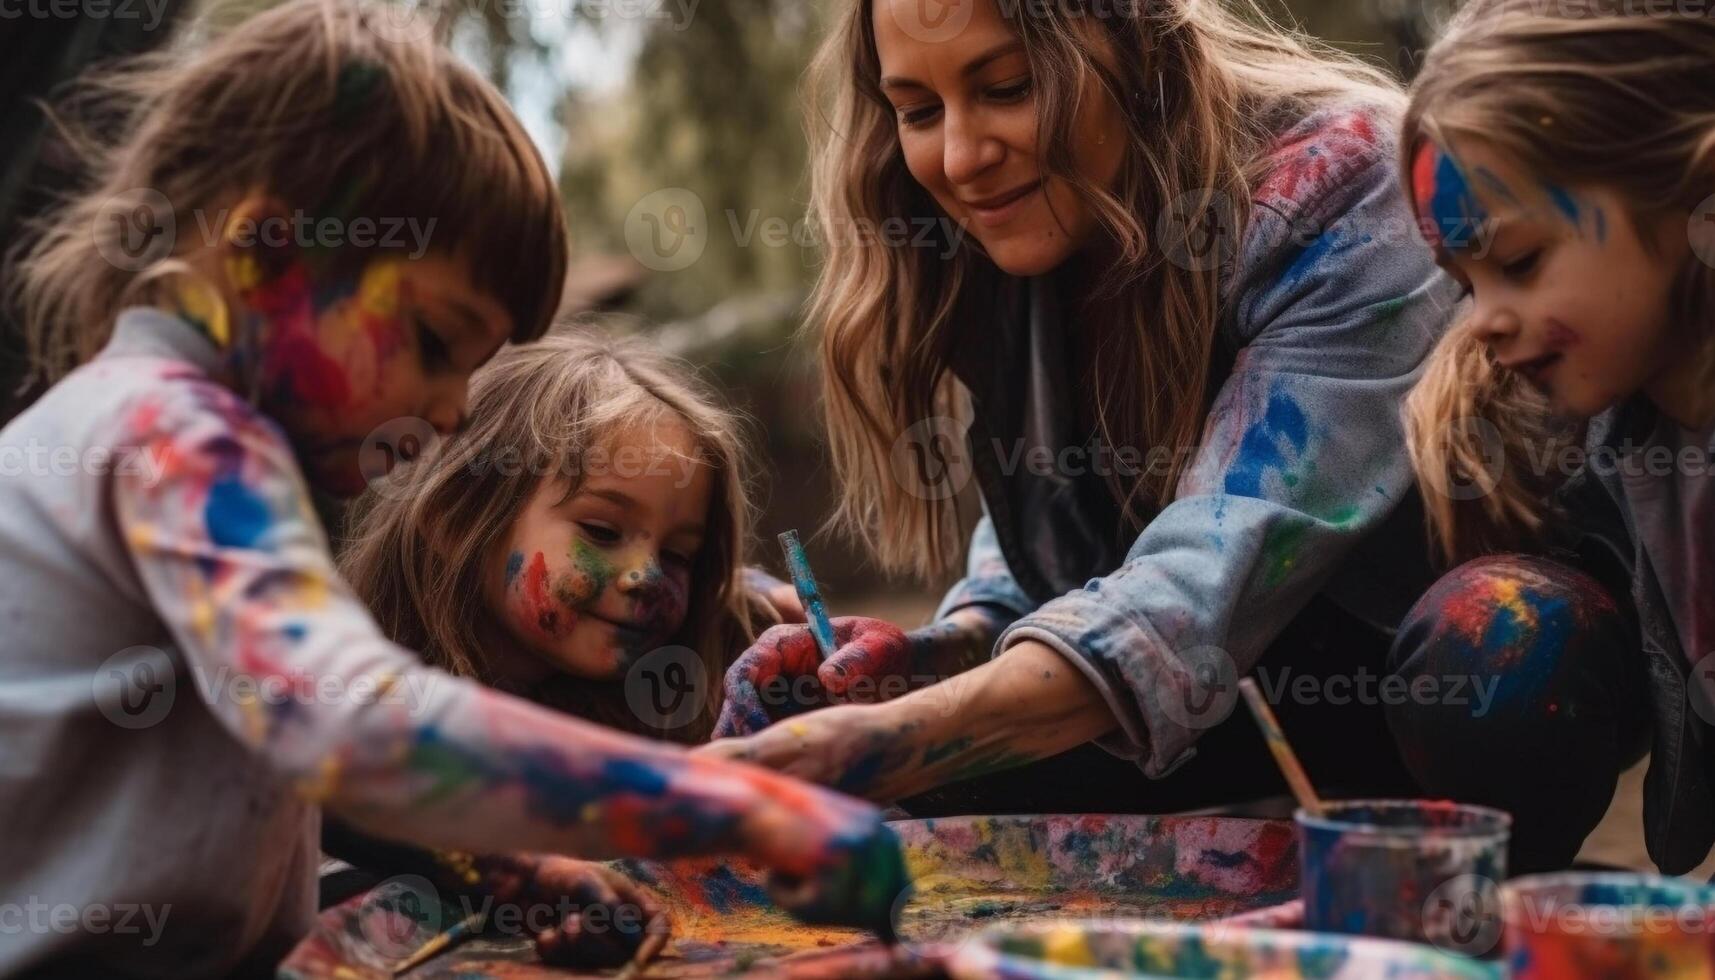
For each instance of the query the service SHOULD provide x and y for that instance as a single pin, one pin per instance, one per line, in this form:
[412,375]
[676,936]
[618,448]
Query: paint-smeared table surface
[970,873]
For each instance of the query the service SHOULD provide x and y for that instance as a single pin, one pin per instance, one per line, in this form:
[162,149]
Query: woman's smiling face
[967,125]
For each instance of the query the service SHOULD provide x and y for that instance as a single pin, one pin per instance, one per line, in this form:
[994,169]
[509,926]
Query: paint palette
[1104,949]
[971,873]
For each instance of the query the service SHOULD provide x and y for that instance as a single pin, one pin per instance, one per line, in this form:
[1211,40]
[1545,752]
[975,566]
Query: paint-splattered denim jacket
[1330,304]
[1679,798]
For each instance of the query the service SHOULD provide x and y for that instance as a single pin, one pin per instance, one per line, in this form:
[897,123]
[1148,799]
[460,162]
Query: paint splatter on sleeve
[1302,455]
[235,563]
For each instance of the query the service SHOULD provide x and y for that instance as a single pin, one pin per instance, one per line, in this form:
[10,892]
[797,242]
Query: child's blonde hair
[331,108]
[417,554]
[1597,92]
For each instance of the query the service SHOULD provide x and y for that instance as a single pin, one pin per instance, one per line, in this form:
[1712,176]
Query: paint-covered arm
[1302,454]
[237,567]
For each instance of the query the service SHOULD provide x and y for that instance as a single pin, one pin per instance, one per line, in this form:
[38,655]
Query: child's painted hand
[862,884]
[598,916]
[783,673]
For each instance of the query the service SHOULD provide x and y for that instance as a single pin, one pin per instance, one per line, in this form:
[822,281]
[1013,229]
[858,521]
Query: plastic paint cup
[1420,870]
[1609,924]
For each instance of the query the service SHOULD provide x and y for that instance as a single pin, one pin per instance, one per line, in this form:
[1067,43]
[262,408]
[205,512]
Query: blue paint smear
[1564,202]
[1455,209]
[514,565]
[1311,257]
[1270,444]
[234,515]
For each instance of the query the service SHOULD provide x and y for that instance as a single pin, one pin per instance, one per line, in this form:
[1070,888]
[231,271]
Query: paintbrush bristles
[1287,759]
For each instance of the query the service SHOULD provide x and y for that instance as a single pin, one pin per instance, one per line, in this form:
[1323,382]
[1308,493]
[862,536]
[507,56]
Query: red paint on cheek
[314,379]
[540,607]
[1423,190]
[1560,336]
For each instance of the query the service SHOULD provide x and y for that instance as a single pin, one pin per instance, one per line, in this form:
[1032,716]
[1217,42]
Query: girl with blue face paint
[1562,167]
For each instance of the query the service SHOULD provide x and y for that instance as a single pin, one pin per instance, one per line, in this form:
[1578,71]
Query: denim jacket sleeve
[987,581]
[1333,306]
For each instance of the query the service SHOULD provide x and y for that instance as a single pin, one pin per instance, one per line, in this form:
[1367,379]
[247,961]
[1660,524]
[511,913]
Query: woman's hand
[1025,705]
[783,675]
[583,914]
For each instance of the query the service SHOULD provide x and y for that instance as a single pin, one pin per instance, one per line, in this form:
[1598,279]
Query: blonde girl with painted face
[1562,163]
[591,514]
[188,680]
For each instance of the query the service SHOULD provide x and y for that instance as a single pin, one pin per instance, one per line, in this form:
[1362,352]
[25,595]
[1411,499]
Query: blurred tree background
[630,97]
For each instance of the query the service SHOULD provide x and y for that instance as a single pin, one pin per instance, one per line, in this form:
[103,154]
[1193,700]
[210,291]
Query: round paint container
[1421,870]
[1609,924]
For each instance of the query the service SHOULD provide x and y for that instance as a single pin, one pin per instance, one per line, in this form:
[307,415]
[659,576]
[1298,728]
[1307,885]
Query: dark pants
[1529,696]
[1569,709]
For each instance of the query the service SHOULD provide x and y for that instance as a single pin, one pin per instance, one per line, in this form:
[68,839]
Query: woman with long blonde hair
[1184,301]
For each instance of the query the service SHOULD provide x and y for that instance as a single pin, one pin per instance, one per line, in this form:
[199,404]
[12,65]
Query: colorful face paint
[1609,925]
[589,579]
[1448,210]
[1394,869]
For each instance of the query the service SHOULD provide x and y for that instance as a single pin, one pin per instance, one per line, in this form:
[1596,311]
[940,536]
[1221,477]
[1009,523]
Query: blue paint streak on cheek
[234,515]
[1455,209]
[514,565]
[1266,446]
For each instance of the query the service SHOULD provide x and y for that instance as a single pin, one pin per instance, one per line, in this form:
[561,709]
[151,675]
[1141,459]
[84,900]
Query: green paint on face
[590,574]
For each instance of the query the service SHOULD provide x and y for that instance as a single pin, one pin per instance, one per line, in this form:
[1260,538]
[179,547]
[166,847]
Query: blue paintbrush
[808,594]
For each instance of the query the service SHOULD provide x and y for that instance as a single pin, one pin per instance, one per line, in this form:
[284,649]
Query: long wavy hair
[336,108]
[1596,93]
[1202,88]
[418,547]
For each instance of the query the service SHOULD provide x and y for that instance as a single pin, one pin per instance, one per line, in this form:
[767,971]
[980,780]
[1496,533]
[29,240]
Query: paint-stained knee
[1509,626]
